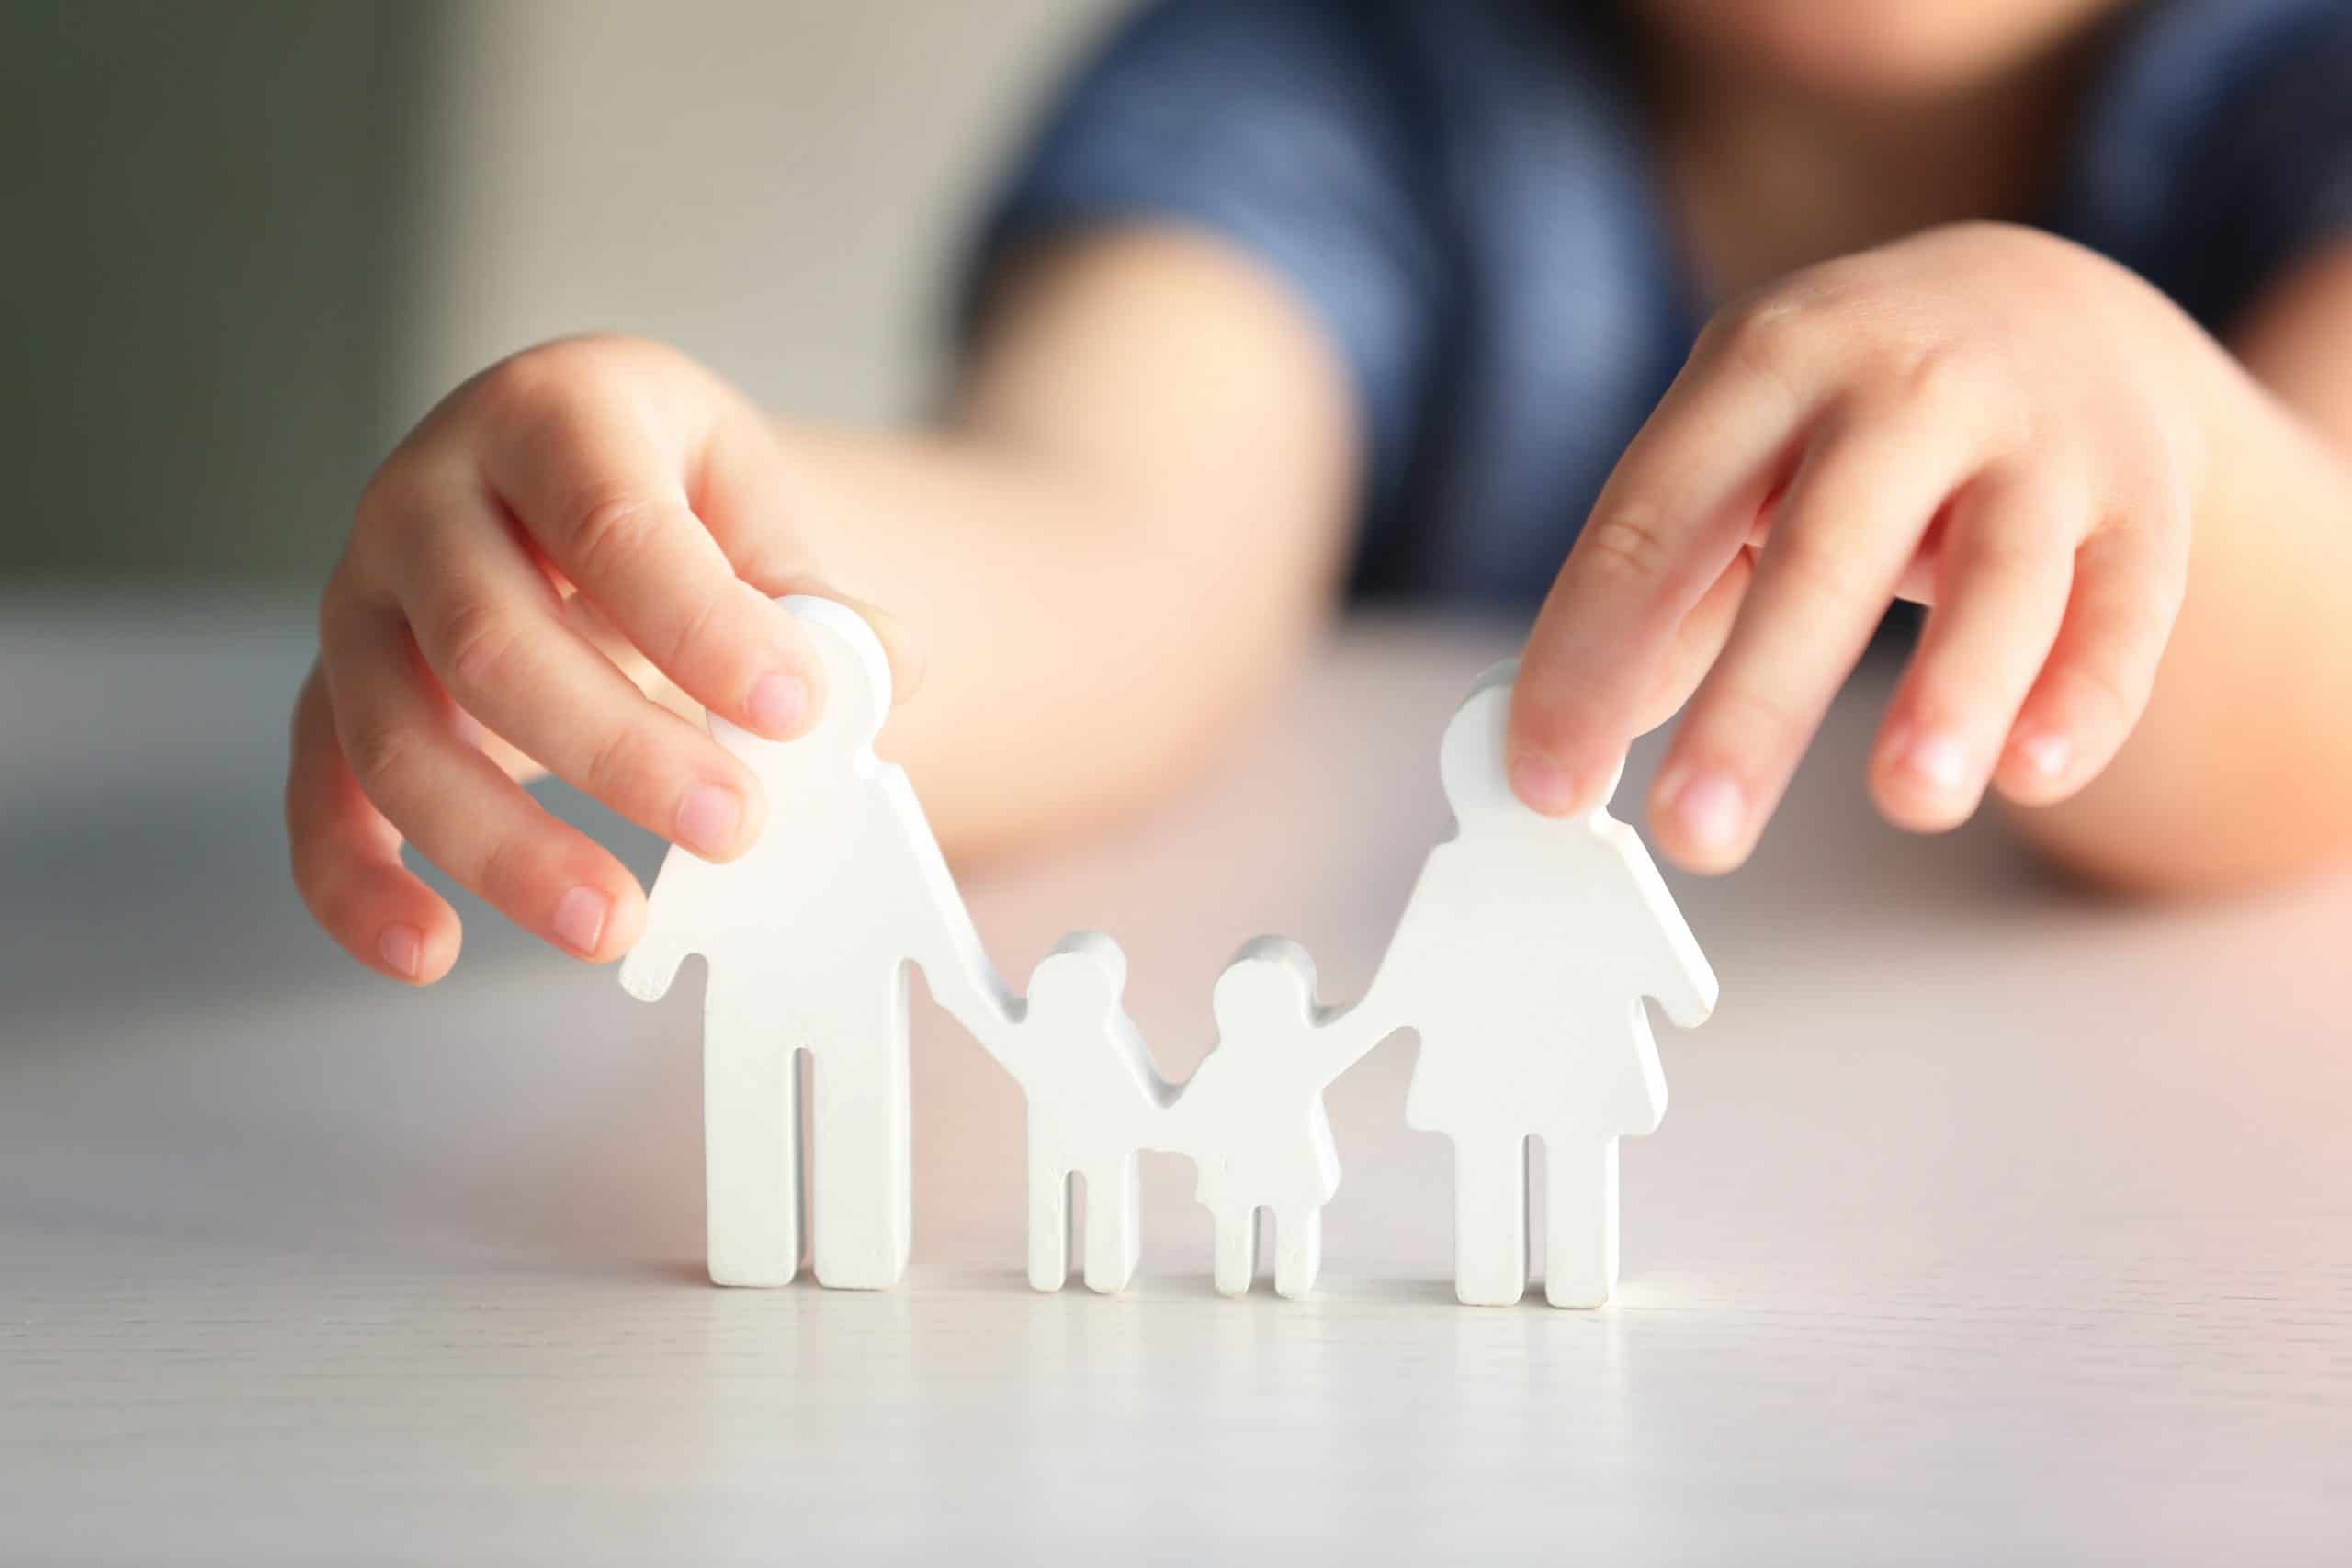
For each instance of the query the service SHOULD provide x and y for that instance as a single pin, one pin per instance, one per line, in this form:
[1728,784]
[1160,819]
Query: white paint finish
[1094,1102]
[809,935]
[1521,961]
[1252,1115]
[296,1264]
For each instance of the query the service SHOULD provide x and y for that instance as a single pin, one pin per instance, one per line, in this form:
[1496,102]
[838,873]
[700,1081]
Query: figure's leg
[1236,1250]
[1579,1220]
[1299,1251]
[751,1134]
[1049,1223]
[1114,1225]
[1490,1222]
[863,1209]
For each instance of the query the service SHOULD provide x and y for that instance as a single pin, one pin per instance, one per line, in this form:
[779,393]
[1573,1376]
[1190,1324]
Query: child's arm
[2031,439]
[2242,765]
[1135,515]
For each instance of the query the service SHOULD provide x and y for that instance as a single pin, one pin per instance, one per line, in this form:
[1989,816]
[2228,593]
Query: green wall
[202,213]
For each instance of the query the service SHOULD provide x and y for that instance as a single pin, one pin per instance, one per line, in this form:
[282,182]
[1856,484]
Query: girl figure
[1252,1115]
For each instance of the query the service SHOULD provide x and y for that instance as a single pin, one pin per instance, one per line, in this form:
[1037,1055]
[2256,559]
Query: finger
[2006,564]
[458,809]
[495,636]
[348,858]
[1683,501]
[1696,644]
[760,500]
[602,498]
[1855,513]
[2127,593]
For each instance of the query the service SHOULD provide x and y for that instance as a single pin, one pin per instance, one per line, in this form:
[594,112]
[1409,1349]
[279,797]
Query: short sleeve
[2220,150]
[2282,171]
[1283,125]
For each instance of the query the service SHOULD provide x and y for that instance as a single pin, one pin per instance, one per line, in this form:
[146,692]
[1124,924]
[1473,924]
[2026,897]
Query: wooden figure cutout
[809,935]
[1251,1116]
[1095,1101]
[1521,959]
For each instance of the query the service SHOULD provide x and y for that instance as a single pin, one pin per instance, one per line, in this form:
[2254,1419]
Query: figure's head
[1271,979]
[1080,982]
[855,676]
[1470,758]
[1874,48]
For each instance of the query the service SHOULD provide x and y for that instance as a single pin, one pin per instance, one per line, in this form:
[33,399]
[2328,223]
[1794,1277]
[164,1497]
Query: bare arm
[2242,768]
[1133,518]
[1135,514]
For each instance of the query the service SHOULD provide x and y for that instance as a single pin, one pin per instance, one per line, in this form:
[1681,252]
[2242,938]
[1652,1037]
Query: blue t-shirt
[1462,192]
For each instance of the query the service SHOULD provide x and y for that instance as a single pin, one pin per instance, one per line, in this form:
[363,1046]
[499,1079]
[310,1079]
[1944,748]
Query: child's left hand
[1985,419]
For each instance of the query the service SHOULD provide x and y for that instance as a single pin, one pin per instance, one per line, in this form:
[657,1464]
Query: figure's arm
[944,942]
[652,964]
[1677,973]
[1344,1036]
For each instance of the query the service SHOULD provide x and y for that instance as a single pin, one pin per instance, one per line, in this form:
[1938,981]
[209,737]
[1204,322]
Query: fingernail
[708,820]
[776,703]
[1541,784]
[401,947]
[580,919]
[1939,760]
[2047,753]
[1709,803]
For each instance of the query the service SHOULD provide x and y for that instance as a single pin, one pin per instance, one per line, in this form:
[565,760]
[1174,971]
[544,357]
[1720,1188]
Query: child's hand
[1983,418]
[454,654]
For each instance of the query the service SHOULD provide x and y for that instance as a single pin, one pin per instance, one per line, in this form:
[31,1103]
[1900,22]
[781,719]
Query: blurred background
[249,241]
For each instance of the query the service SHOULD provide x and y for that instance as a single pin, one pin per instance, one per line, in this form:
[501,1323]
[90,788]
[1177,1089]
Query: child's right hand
[564,531]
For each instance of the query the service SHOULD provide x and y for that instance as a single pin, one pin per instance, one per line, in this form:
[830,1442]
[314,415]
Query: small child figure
[1251,1117]
[1094,1101]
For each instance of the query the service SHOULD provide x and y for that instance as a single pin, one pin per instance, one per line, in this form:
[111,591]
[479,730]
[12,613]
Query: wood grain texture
[1987,1223]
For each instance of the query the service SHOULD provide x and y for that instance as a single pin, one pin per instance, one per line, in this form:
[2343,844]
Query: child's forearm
[2242,767]
[1133,516]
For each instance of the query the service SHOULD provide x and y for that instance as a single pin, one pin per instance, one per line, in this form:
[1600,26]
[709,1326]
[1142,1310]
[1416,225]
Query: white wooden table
[1988,1222]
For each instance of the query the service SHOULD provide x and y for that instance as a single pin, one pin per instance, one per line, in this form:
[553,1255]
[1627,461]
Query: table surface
[1989,1219]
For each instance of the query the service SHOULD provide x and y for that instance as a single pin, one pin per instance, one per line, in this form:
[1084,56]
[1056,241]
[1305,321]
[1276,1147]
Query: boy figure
[809,935]
[1094,1102]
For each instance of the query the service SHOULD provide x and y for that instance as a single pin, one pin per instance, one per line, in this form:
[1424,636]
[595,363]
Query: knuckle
[616,765]
[474,639]
[1627,544]
[1764,335]
[2103,686]
[1941,378]
[2021,546]
[1754,713]
[1820,565]
[536,383]
[384,499]
[607,528]
[380,753]
[696,630]
[505,872]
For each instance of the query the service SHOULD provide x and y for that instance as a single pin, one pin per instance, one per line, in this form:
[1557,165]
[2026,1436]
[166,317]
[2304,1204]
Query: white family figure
[810,936]
[1252,1115]
[1095,1102]
[1521,960]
